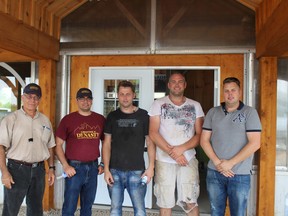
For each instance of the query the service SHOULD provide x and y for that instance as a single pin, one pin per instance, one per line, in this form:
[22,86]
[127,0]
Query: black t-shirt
[128,133]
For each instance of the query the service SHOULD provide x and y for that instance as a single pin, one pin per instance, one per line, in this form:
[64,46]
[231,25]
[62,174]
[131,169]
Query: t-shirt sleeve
[62,128]
[207,125]
[102,135]
[253,123]
[155,108]
[199,111]
[146,124]
[108,123]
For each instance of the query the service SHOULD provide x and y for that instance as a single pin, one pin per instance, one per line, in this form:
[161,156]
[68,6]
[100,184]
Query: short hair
[230,80]
[177,72]
[126,84]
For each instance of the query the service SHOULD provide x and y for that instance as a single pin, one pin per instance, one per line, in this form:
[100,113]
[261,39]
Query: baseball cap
[33,88]
[84,92]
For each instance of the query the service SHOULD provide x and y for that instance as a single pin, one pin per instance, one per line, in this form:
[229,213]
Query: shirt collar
[36,114]
[241,105]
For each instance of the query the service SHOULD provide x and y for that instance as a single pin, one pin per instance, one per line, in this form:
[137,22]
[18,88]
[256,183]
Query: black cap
[84,92]
[33,88]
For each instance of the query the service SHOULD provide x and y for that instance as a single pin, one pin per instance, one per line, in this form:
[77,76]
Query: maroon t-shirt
[82,135]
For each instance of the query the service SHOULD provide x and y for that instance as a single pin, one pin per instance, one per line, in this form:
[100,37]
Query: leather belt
[33,165]
[82,162]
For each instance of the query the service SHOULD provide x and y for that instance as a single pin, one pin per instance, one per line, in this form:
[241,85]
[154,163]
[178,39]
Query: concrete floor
[102,211]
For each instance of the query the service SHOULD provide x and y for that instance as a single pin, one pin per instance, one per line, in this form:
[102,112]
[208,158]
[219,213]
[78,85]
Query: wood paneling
[264,11]
[272,29]
[267,156]
[31,28]
[25,40]
[230,65]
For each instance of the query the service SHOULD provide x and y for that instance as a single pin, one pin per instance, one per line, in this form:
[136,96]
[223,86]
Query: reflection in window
[282,113]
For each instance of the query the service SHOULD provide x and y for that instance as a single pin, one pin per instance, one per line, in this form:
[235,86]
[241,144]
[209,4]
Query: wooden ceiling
[32,27]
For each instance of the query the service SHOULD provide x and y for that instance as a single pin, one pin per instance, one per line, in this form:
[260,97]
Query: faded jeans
[131,180]
[236,189]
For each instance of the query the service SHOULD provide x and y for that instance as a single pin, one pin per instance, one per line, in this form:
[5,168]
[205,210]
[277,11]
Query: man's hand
[149,173]
[7,180]
[51,177]
[69,170]
[182,161]
[175,151]
[100,170]
[108,178]
[225,168]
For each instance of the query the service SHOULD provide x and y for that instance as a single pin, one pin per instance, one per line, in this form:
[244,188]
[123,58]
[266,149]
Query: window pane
[8,100]
[282,113]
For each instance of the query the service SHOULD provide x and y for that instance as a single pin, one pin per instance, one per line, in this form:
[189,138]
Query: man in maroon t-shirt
[82,130]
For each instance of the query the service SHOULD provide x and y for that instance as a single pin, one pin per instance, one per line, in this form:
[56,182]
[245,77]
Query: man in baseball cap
[84,92]
[81,131]
[33,88]
[26,141]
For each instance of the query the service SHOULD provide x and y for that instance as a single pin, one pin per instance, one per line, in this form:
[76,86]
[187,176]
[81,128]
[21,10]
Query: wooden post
[47,79]
[267,156]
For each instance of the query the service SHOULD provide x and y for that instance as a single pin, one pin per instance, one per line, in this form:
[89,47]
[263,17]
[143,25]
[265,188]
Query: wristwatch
[52,167]
[101,164]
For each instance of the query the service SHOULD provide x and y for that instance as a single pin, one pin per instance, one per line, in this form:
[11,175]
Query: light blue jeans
[236,189]
[131,180]
[83,183]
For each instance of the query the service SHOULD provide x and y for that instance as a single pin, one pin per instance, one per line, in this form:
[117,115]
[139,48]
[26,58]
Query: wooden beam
[25,40]
[252,4]
[68,8]
[175,19]
[272,38]
[47,81]
[267,156]
[131,18]
[7,56]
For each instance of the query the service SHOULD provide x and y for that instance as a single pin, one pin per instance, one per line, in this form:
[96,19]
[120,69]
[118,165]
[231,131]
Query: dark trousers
[29,182]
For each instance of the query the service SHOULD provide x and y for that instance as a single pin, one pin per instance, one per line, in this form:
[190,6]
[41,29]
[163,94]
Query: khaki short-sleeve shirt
[25,138]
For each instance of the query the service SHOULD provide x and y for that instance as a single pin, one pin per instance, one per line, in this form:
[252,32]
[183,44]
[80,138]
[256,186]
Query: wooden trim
[47,79]
[267,156]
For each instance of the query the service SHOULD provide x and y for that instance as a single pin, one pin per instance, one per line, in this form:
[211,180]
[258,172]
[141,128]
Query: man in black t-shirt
[126,131]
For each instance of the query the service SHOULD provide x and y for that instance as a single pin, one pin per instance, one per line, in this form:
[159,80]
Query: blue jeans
[83,183]
[236,189]
[29,182]
[131,180]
